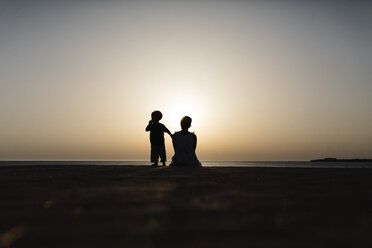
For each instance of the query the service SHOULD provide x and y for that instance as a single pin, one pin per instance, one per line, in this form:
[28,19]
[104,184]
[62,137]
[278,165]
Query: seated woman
[184,144]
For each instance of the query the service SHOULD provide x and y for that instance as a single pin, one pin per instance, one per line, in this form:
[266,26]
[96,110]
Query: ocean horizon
[279,164]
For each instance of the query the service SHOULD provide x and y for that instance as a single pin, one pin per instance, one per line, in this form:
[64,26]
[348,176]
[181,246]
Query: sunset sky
[262,80]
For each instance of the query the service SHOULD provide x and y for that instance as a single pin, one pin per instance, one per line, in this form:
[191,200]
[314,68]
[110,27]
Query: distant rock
[341,160]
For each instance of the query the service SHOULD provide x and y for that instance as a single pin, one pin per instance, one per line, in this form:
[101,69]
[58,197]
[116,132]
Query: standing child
[157,138]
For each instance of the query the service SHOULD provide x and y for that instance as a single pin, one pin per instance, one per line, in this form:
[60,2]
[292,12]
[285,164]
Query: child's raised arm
[148,128]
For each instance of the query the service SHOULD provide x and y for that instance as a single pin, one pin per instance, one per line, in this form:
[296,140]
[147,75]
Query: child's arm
[148,128]
[168,132]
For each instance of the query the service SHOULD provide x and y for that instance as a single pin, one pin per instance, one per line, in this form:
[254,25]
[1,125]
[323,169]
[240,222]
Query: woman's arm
[173,140]
[195,141]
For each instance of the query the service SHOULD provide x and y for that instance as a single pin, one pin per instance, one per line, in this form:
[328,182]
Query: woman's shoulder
[184,133]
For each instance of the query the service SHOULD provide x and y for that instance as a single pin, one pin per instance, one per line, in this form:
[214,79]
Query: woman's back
[184,144]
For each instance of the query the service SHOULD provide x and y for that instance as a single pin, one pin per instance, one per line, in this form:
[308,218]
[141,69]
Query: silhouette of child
[157,138]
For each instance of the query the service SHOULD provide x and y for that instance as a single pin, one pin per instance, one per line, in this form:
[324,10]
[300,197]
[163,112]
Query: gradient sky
[262,80]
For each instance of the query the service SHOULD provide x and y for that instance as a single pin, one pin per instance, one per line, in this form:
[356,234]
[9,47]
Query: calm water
[299,164]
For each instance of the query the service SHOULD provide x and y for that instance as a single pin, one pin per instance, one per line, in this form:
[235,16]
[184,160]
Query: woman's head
[186,123]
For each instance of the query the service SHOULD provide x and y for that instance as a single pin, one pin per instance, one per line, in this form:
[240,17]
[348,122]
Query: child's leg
[154,154]
[162,154]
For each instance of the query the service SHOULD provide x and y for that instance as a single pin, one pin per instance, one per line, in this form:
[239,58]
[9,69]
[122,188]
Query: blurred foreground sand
[140,206]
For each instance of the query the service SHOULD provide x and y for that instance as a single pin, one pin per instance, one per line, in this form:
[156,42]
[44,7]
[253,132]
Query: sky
[262,80]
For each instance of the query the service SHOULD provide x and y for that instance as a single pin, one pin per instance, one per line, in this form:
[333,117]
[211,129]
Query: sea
[280,164]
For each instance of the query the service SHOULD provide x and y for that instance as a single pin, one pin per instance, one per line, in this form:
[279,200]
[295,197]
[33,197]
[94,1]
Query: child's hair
[156,115]
[186,122]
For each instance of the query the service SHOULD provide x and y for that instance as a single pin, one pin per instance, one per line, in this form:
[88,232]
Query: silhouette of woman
[184,144]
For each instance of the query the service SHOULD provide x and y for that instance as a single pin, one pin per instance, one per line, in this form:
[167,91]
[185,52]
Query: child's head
[156,115]
[186,122]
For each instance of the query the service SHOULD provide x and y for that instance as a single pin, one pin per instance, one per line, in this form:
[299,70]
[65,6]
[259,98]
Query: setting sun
[181,107]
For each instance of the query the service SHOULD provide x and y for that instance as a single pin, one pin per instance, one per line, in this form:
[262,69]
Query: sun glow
[186,98]
[181,109]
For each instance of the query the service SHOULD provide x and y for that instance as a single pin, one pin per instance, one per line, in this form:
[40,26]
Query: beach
[140,206]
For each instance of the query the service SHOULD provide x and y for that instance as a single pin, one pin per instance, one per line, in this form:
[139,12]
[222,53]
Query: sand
[140,206]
